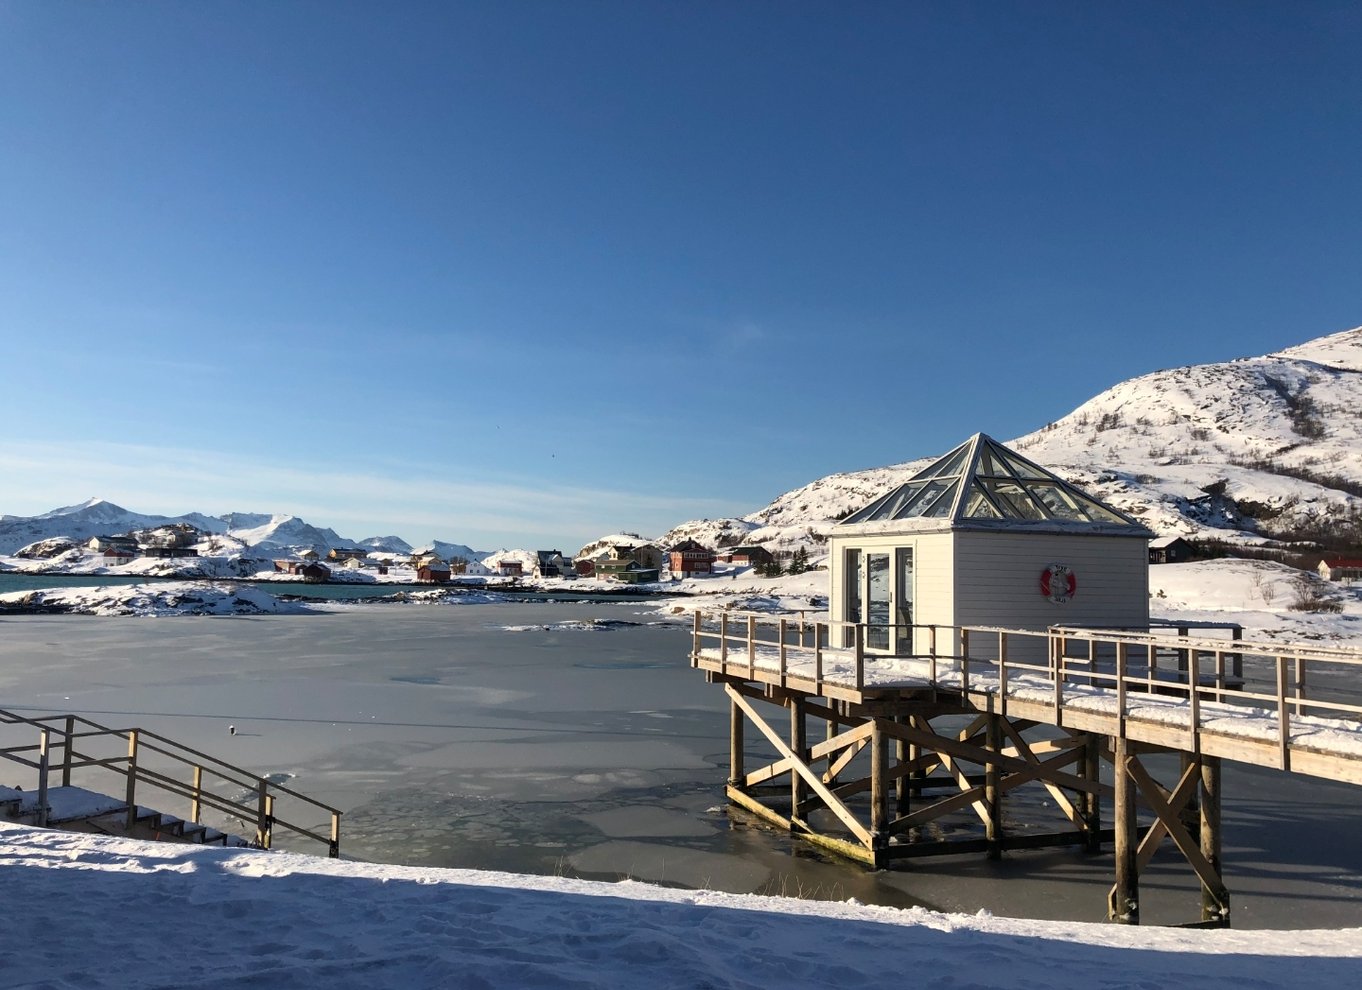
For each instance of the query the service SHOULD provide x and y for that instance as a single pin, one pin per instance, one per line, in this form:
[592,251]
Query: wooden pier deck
[1090,695]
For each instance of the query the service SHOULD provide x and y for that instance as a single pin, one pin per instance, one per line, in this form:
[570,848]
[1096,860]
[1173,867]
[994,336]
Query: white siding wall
[998,582]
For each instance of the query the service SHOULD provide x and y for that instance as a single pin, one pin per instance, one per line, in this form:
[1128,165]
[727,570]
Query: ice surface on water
[449,741]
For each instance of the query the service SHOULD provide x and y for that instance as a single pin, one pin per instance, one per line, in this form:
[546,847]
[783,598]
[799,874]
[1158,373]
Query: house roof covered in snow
[982,484]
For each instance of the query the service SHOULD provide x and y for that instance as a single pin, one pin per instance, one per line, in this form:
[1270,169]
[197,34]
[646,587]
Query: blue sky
[521,274]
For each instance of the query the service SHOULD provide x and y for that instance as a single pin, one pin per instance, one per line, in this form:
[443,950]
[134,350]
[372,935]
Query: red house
[688,558]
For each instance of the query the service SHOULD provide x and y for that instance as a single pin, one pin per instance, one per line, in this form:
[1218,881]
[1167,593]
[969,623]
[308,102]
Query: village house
[435,571]
[1169,550]
[115,556]
[1345,569]
[753,556]
[510,568]
[344,553]
[625,571]
[551,563]
[689,558]
[114,542]
[166,552]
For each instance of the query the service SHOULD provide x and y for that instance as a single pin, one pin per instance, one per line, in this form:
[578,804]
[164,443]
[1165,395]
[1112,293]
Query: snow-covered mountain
[1249,452]
[234,534]
[94,517]
[387,544]
[451,551]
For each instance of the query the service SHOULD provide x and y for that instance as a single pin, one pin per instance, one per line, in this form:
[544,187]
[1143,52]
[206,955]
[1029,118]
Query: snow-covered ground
[92,912]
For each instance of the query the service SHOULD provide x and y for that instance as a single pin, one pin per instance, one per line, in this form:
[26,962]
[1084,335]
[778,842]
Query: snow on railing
[1196,680]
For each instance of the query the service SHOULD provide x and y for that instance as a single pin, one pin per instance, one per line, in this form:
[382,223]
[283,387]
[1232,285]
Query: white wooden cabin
[984,537]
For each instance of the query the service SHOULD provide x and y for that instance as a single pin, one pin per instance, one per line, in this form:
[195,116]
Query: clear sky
[525,273]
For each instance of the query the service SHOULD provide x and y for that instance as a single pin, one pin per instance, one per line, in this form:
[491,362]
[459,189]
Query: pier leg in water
[1123,904]
[1215,898]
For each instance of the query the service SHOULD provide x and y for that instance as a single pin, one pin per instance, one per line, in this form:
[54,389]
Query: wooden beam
[834,804]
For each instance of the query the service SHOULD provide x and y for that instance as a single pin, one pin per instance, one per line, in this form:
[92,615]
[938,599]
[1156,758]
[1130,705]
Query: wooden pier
[903,742]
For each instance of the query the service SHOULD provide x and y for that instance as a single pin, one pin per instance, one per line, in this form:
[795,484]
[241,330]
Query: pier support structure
[1188,813]
[914,773]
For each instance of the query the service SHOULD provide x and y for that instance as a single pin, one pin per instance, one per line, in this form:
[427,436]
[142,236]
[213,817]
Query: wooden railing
[148,760]
[1284,682]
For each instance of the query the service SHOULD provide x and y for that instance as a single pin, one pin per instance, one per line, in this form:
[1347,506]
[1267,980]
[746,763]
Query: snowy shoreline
[286,920]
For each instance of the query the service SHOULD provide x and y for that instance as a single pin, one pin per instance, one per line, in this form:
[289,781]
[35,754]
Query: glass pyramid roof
[983,481]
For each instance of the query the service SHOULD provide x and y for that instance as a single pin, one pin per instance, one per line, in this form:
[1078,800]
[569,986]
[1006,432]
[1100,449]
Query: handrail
[1213,676]
[133,770]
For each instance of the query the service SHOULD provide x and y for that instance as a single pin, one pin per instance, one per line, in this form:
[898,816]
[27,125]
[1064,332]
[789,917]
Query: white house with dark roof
[985,537]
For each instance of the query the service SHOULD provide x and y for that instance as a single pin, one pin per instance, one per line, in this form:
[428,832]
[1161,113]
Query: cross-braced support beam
[1197,788]
[879,778]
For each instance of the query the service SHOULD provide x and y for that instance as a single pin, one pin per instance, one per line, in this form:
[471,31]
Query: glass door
[903,598]
[878,612]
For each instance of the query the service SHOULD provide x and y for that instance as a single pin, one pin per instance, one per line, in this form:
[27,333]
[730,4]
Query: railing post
[1300,683]
[1002,672]
[264,815]
[931,647]
[1194,698]
[66,756]
[782,652]
[1121,670]
[195,805]
[43,758]
[131,795]
[334,852]
[723,639]
[964,660]
[695,633]
[860,656]
[751,642]
[817,653]
[1283,719]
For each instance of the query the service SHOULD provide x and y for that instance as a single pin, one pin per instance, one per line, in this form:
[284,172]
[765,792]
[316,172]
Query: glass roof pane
[1098,512]
[1059,503]
[894,506]
[986,467]
[977,506]
[1024,470]
[1012,499]
[926,496]
[940,506]
[950,465]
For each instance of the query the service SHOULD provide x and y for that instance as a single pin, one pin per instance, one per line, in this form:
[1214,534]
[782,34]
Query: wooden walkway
[1091,695]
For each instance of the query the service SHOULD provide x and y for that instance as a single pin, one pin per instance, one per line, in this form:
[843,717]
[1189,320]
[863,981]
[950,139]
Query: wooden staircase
[145,761]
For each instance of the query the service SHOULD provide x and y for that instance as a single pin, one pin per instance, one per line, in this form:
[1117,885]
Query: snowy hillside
[1240,451]
[1256,451]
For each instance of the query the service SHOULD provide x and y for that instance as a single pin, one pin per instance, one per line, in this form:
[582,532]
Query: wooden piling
[1123,904]
[1215,897]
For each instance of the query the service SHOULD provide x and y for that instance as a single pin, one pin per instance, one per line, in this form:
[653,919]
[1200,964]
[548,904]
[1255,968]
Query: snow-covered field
[93,912]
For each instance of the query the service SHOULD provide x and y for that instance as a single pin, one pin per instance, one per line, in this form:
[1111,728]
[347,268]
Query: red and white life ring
[1058,583]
